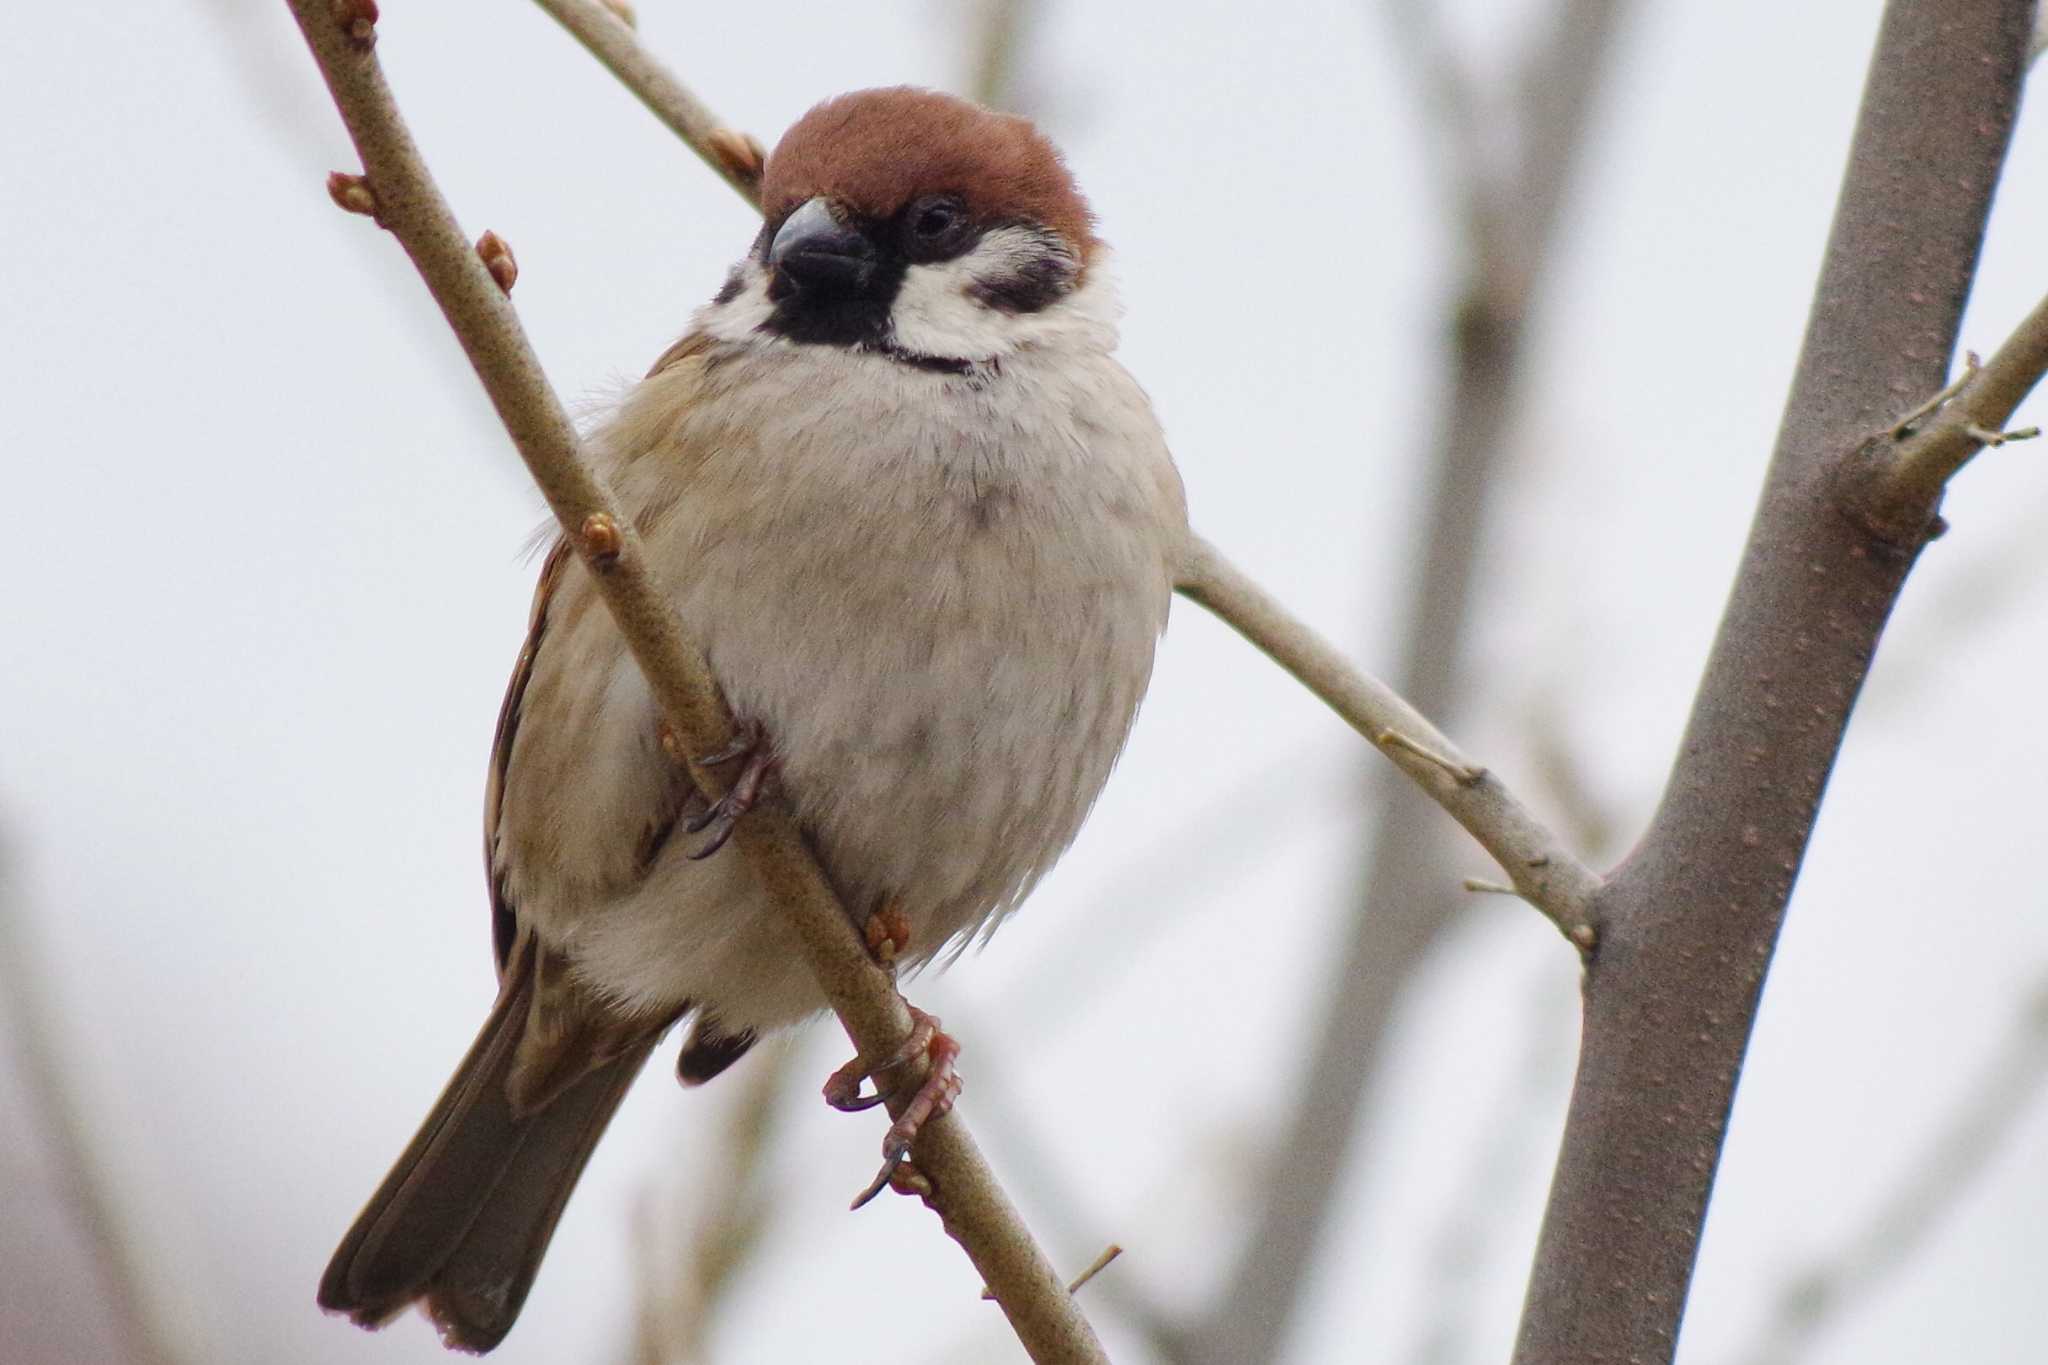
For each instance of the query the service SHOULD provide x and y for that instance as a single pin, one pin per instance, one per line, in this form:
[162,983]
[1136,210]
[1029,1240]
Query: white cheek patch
[740,317]
[938,314]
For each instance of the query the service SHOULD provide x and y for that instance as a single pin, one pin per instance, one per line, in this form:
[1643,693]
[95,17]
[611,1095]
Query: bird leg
[749,743]
[934,1097]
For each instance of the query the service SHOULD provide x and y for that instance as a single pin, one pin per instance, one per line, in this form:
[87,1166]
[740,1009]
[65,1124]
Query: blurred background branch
[216,872]
[1830,1289]
[1691,918]
[1510,206]
[70,1154]
[683,1278]
[1000,31]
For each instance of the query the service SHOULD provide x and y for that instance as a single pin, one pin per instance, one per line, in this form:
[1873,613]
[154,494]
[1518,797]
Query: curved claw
[934,1097]
[746,737]
[842,1087]
[892,1162]
[723,815]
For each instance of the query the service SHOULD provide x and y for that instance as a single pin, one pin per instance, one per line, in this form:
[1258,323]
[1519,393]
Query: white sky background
[266,544]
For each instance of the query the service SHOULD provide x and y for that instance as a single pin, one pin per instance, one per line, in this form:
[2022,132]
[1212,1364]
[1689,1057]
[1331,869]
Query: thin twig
[1545,873]
[1506,186]
[1095,1267]
[972,1206]
[1898,484]
[734,155]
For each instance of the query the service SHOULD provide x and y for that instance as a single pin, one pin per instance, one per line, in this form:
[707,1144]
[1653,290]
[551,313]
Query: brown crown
[876,150]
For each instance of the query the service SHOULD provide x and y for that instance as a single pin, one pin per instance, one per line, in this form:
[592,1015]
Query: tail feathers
[709,1053]
[465,1215]
[476,1293]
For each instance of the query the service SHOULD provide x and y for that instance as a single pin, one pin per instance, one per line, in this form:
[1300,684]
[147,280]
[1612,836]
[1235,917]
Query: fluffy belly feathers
[945,702]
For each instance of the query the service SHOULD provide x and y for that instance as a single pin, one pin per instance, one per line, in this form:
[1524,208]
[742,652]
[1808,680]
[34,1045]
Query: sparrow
[924,526]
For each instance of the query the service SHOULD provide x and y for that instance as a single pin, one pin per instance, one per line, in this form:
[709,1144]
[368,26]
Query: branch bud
[671,744]
[601,540]
[741,155]
[359,17]
[351,193]
[624,10]
[498,259]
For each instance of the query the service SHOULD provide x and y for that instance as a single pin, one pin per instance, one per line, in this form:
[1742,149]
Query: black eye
[935,226]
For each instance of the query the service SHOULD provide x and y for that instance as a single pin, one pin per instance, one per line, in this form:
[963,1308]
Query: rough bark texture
[1688,923]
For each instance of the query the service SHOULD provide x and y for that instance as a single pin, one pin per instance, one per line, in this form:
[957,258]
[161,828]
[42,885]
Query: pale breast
[939,597]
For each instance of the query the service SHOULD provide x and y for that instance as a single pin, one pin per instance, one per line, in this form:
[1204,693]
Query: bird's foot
[750,744]
[933,1097]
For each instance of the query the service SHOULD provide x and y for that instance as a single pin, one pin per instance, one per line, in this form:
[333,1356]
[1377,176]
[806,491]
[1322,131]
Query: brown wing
[687,345]
[504,922]
[570,1029]
[464,1217]
[567,1031]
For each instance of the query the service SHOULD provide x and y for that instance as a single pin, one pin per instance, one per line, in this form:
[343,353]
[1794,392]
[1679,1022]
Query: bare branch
[1544,872]
[1508,200]
[973,1208]
[611,39]
[1095,1267]
[1211,580]
[1957,1157]
[1000,27]
[1690,919]
[1451,100]
[1896,479]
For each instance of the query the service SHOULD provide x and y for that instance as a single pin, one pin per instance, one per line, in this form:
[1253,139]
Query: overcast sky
[267,561]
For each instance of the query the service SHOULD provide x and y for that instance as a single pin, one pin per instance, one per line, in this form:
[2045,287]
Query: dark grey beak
[814,252]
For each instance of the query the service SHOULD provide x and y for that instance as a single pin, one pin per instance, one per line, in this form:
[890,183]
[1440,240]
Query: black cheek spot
[730,290]
[1035,285]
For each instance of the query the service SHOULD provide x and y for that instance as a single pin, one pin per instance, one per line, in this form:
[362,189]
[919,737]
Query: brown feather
[462,1220]
[688,345]
[876,150]
[464,1216]
[504,923]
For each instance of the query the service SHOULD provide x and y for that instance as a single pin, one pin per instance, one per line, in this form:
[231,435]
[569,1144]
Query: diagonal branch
[1544,871]
[397,186]
[735,156]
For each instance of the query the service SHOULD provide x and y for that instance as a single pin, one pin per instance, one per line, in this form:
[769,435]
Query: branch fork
[1543,870]
[1892,484]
